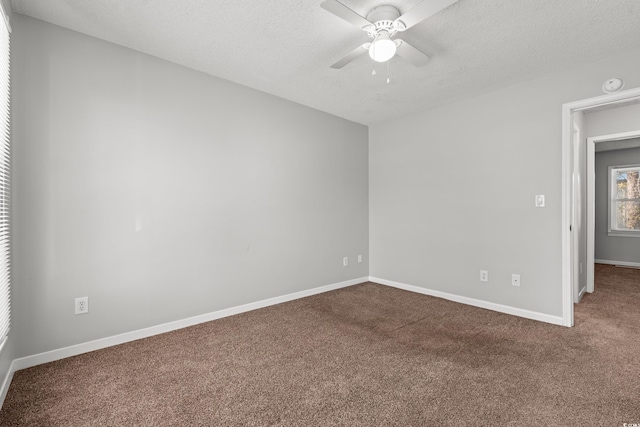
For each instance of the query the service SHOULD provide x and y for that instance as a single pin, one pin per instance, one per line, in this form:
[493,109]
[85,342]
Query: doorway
[613,142]
[569,249]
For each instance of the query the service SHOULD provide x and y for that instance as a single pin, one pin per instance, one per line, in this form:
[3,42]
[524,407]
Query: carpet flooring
[367,355]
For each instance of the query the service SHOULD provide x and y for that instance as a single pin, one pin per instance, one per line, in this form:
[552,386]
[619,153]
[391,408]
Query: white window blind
[5,178]
[624,201]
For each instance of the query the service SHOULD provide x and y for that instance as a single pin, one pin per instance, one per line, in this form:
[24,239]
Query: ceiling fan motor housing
[383,18]
[382,24]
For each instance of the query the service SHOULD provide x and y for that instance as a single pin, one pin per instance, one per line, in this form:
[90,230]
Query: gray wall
[452,190]
[163,193]
[612,248]
[613,120]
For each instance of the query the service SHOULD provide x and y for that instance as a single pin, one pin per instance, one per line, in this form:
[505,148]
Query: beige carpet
[367,355]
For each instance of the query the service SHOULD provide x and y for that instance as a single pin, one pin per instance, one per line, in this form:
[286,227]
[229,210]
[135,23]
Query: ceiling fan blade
[410,53]
[342,11]
[351,56]
[421,12]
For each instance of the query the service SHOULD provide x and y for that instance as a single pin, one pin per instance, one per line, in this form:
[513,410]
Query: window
[5,178]
[624,201]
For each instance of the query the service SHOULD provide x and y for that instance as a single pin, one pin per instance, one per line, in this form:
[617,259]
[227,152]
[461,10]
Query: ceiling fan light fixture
[383,48]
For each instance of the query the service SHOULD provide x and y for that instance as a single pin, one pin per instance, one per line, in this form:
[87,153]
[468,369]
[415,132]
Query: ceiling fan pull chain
[373,47]
[388,72]
[373,73]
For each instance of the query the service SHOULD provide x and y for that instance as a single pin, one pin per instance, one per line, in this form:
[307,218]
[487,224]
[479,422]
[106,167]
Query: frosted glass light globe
[382,49]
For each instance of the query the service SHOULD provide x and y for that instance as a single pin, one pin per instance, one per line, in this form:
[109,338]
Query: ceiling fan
[382,24]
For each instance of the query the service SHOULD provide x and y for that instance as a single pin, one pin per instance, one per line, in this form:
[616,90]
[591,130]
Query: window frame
[612,219]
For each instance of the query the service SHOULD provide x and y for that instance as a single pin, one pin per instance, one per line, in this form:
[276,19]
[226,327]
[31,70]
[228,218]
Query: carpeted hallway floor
[366,355]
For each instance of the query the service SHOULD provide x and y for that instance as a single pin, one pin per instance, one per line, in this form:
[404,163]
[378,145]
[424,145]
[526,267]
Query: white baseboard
[74,350]
[6,383]
[534,315]
[581,293]
[623,263]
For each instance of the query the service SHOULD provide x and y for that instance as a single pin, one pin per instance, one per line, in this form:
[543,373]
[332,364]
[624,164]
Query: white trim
[622,263]
[74,350]
[6,383]
[576,217]
[5,16]
[612,199]
[567,276]
[567,129]
[622,233]
[591,211]
[534,315]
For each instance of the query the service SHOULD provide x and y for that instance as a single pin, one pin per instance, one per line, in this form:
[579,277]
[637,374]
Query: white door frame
[591,205]
[567,196]
[575,208]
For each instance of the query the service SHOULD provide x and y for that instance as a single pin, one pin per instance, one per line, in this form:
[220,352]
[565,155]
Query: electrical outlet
[82,305]
[359,259]
[345,261]
[515,280]
[484,276]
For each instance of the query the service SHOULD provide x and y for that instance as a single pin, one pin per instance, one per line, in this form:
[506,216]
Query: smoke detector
[613,85]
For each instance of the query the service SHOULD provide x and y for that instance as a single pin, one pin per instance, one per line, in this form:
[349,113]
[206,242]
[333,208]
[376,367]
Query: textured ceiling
[285,47]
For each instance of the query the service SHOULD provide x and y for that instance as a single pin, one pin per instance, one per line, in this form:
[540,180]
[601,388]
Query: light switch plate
[539,200]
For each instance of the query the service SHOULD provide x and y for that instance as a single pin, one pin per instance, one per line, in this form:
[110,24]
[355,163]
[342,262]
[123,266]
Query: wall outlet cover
[484,276]
[82,305]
